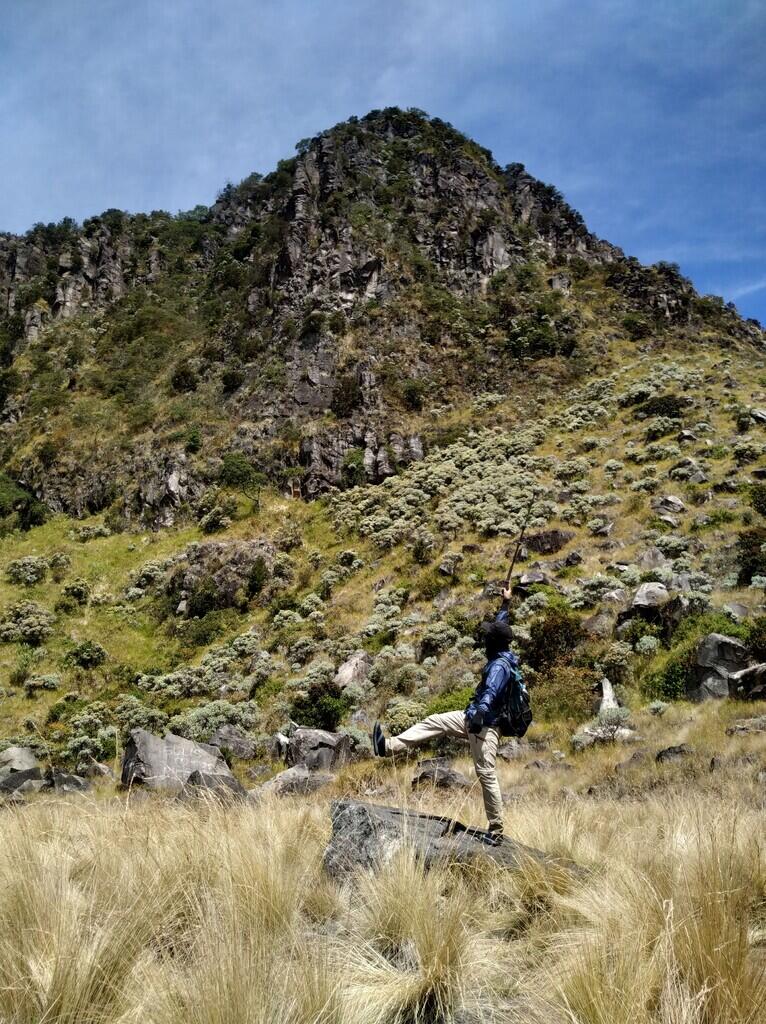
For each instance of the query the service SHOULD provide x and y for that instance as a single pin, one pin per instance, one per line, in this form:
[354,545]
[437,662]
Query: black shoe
[378,741]
[495,837]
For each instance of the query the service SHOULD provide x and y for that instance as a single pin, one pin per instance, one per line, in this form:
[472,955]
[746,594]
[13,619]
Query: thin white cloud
[747,288]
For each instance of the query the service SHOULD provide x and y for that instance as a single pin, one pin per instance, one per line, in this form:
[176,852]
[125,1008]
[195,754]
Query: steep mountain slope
[337,390]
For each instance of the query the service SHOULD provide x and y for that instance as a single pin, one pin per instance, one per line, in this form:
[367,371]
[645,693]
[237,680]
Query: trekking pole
[518,544]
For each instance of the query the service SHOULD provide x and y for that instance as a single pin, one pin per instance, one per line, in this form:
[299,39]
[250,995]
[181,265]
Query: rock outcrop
[364,836]
[166,764]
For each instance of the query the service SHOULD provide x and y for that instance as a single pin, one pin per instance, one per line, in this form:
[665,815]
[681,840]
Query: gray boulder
[365,836]
[17,759]
[293,781]
[166,764]
[650,595]
[354,670]
[652,558]
[668,504]
[676,753]
[717,657]
[222,787]
[231,737]
[548,542]
[744,726]
[64,782]
[317,749]
[28,781]
[749,683]
[438,772]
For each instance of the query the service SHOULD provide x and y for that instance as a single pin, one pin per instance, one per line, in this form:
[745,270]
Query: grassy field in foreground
[160,912]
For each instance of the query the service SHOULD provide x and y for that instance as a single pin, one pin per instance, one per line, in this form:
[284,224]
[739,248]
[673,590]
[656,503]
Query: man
[477,723]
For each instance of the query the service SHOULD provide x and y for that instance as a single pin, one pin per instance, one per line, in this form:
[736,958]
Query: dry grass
[164,913]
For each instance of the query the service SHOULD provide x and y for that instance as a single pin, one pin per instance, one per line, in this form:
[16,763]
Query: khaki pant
[483,748]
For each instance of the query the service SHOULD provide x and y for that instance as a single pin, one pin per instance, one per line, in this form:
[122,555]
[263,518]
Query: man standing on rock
[477,724]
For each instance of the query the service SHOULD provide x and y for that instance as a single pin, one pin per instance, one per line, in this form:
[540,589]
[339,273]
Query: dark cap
[496,631]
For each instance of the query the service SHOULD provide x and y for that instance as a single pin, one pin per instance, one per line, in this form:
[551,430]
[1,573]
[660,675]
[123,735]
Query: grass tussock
[166,913]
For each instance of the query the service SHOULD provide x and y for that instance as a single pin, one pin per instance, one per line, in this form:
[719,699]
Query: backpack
[516,710]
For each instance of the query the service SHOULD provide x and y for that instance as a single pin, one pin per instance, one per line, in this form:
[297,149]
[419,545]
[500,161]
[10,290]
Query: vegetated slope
[436,340]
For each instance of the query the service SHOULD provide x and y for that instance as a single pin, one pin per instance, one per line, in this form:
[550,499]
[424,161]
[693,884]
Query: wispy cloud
[747,288]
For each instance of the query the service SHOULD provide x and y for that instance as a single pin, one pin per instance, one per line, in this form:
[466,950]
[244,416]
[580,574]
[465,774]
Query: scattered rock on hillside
[650,595]
[231,737]
[438,772]
[222,787]
[367,835]
[166,764]
[743,726]
[354,670]
[676,753]
[669,504]
[736,610]
[318,749]
[64,782]
[17,759]
[30,780]
[292,781]
[717,657]
[652,558]
[749,683]
[548,542]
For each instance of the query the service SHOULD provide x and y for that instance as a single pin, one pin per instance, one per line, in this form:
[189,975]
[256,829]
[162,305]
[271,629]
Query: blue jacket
[488,696]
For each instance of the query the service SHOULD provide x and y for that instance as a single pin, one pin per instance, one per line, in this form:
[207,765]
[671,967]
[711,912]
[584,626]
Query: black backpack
[516,711]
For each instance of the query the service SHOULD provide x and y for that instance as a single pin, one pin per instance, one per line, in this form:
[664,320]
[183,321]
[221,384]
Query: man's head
[497,637]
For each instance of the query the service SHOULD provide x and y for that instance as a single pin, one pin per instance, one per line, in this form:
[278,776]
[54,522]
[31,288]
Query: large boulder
[354,670]
[367,835]
[17,759]
[548,542]
[220,787]
[717,657]
[650,596]
[166,764]
[28,781]
[293,781]
[231,737]
[748,683]
[317,749]
[64,782]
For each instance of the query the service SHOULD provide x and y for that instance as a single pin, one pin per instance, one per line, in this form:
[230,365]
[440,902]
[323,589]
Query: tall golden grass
[166,913]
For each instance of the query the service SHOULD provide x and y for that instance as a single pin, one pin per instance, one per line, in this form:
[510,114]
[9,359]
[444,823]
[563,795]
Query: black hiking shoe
[495,837]
[378,741]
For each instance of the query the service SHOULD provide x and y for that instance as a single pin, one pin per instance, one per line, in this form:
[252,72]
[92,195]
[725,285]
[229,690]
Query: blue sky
[649,116]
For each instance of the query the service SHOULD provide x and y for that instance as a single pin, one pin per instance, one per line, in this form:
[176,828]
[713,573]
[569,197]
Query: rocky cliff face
[310,320]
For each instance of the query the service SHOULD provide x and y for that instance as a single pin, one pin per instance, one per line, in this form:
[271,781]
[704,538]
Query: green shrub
[193,442]
[553,638]
[751,557]
[758,498]
[564,691]
[636,326]
[353,471]
[413,393]
[453,700]
[756,638]
[257,577]
[671,681]
[86,654]
[77,590]
[347,395]
[322,707]
[184,377]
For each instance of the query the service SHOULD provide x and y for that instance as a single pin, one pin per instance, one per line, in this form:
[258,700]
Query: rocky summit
[264,464]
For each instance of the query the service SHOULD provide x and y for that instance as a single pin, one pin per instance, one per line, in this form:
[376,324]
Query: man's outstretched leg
[452,723]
